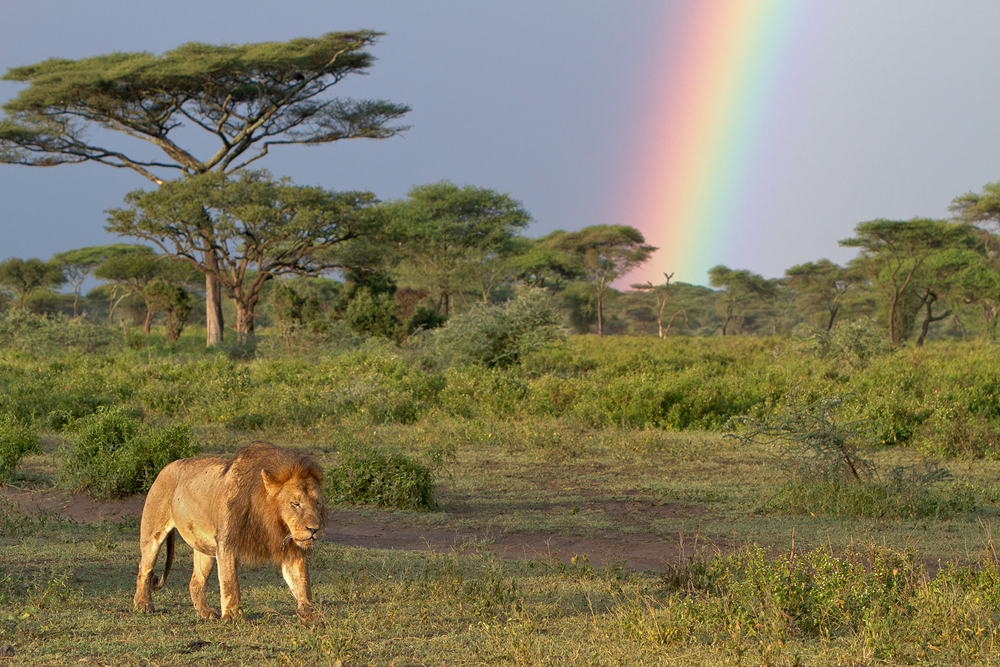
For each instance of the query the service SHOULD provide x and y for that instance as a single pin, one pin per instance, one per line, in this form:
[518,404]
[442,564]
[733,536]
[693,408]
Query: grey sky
[885,109]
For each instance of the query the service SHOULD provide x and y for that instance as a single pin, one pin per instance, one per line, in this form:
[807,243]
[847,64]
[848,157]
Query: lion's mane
[256,530]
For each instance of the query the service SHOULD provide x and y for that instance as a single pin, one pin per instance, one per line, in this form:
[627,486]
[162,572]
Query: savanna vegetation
[814,456]
[834,495]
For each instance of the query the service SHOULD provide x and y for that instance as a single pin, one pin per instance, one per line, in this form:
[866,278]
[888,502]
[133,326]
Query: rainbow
[689,177]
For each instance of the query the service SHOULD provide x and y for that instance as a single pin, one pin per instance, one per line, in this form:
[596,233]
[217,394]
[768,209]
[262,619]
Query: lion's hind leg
[203,564]
[146,582]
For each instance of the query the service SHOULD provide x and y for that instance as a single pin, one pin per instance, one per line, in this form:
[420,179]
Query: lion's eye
[295,503]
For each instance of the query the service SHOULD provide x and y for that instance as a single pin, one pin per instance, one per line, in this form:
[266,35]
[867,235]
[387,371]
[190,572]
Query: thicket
[881,603]
[369,476]
[941,400]
[114,453]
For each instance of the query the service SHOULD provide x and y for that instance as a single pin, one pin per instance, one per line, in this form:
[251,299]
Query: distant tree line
[298,256]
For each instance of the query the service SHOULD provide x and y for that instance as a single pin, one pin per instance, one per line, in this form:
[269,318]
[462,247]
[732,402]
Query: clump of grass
[115,454]
[909,492]
[368,476]
[16,441]
[831,474]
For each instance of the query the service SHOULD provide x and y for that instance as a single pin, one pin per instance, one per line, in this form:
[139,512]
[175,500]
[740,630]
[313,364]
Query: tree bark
[213,307]
[600,317]
[244,321]
[929,299]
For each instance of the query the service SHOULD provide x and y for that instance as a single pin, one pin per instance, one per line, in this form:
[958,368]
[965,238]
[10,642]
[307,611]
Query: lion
[264,504]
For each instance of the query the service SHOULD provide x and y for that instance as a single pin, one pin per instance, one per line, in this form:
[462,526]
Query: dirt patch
[633,550]
[74,506]
[630,547]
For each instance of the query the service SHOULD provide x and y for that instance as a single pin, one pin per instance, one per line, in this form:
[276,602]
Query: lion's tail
[156,583]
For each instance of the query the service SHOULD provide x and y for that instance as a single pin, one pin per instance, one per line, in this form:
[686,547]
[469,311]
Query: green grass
[66,588]
[580,443]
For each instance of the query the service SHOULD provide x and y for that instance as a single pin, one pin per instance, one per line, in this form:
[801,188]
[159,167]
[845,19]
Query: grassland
[544,501]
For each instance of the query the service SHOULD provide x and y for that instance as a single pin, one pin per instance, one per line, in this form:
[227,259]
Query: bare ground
[629,546]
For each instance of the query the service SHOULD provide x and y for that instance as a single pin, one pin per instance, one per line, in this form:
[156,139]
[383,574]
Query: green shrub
[372,314]
[42,334]
[115,454]
[854,344]
[499,336]
[16,440]
[242,348]
[371,477]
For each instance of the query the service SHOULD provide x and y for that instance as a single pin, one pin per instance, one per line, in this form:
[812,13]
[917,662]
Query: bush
[855,344]
[115,454]
[16,440]
[372,314]
[44,334]
[499,336]
[387,480]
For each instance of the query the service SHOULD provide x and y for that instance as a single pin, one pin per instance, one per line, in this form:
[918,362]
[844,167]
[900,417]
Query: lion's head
[279,502]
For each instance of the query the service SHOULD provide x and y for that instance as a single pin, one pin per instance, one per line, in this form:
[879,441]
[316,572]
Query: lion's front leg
[295,570]
[229,585]
[203,564]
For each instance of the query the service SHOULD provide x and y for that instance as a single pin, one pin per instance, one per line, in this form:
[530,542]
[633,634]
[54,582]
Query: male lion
[264,504]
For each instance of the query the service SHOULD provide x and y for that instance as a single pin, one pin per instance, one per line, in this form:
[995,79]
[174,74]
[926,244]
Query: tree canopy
[446,233]
[24,276]
[603,253]
[261,228]
[244,98]
[892,253]
[742,290]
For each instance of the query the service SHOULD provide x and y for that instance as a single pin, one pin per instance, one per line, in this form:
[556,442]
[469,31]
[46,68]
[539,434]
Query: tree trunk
[929,300]
[147,326]
[244,321]
[892,321]
[600,316]
[213,304]
[833,315]
[443,303]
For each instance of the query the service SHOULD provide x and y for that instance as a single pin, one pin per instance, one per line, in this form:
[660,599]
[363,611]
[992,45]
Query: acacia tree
[742,290]
[662,294]
[892,253]
[603,254]
[247,98]
[24,276]
[447,233]
[534,263]
[262,228]
[128,269]
[821,286]
[982,210]
[76,266]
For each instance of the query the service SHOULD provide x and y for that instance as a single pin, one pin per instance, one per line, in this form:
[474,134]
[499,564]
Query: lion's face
[300,504]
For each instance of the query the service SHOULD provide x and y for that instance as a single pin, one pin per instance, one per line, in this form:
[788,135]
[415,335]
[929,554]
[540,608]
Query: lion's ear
[272,485]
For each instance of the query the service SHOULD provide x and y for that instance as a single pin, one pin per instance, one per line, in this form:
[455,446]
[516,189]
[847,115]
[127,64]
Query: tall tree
[247,98]
[24,276]
[79,263]
[536,264]
[446,233]
[128,270]
[662,293]
[603,253]
[892,253]
[982,210]
[820,287]
[742,290]
[262,229]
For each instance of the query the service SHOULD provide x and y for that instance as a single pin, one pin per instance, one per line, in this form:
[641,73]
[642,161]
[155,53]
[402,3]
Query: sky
[803,117]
